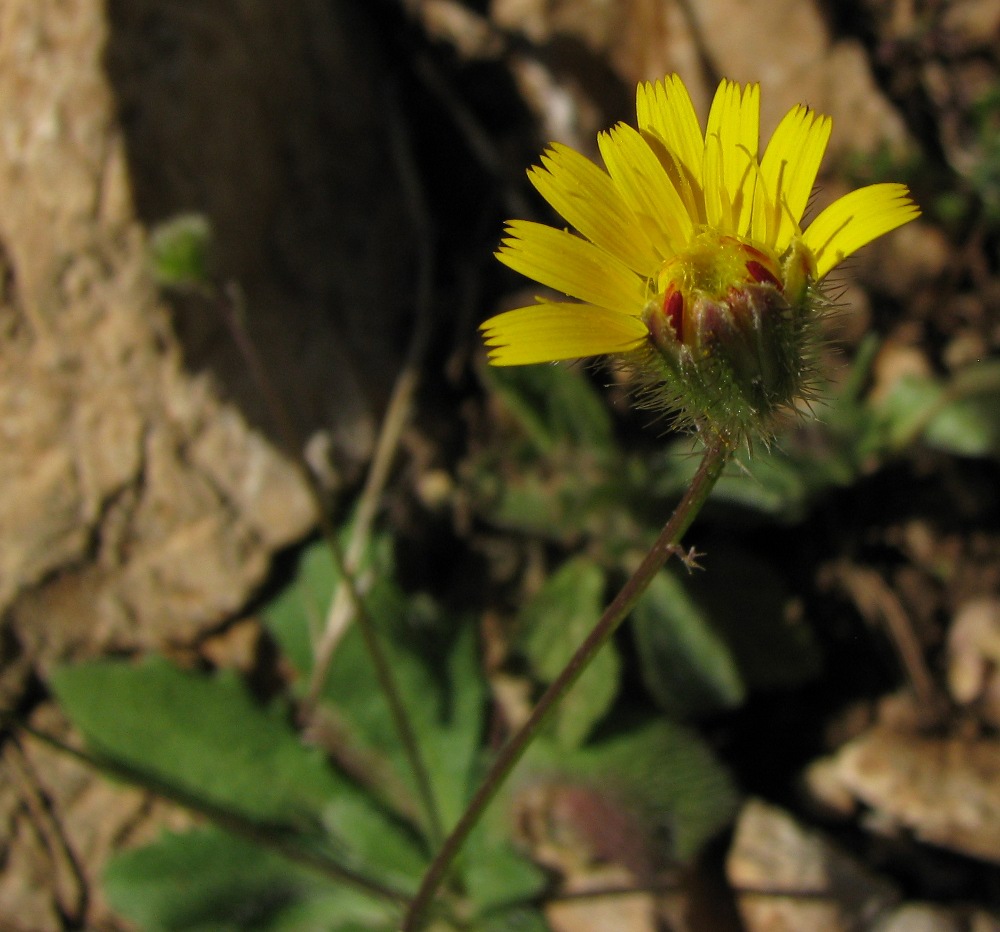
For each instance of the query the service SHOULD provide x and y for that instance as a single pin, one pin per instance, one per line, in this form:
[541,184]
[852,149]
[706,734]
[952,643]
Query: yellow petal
[573,266]
[730,163]
[587,197]
[665,109]
[788,173]
[646,188]
[855,220]
[549,331]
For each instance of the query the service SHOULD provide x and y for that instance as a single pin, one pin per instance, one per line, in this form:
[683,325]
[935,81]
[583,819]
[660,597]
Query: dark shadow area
[270,121]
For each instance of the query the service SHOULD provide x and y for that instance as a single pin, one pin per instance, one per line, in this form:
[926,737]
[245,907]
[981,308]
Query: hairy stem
[668,543]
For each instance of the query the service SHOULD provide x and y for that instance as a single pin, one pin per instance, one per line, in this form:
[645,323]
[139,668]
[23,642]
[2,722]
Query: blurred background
[351,165]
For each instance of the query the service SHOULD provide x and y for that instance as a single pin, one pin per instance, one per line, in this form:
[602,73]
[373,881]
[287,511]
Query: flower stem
[668,543]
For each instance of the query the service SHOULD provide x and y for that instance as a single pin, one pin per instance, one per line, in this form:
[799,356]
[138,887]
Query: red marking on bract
[762,274]
[673,310]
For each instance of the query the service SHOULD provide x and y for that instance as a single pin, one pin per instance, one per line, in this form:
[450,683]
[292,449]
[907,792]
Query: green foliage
[228,884]
[179,251]
[299,843]
[554,405]
[203,740]
[434,660]
[705,641]
[552,626]
[564,430]
[686,664]
[297,839]
[437,669]
[498,878]
[958,415]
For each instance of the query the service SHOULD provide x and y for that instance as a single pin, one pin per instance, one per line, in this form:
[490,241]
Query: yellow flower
[691,265]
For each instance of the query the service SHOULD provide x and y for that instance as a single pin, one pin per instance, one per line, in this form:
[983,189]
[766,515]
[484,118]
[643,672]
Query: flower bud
[730,328]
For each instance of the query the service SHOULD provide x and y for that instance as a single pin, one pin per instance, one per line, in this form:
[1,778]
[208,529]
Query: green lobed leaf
[437,666]
[205,737]
[686,664]
[207,880]
[434,660]
[552,625]
[495,874]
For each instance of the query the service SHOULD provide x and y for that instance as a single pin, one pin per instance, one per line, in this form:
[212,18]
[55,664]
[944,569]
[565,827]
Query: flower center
[709,272]
[731,323]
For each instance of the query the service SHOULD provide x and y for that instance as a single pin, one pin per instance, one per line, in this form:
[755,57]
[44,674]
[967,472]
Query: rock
[971,25]
[944,790]
[788,878]
[58,826]
[643,40]
[635,912]
[974,656]
[926,917]
[149,493]
[143,494]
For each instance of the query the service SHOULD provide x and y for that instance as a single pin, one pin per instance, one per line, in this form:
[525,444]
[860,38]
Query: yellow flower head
[692,265]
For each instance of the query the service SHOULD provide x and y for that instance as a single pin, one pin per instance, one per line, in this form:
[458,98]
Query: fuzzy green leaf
[433,658]
[552,626]
[208,741]
[686,664]
[653,788]
[208,880]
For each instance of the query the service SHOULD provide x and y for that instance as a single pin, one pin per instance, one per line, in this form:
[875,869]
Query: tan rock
[788,878]
[944,790]
[746,41]
[927,917]
[142,495]
[142,492]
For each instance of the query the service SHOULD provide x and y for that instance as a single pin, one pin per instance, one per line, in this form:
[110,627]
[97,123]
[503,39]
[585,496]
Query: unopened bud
[731,327]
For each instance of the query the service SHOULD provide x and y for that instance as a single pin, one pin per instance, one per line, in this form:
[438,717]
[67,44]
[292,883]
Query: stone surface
[58,826]
[974,657]
[788,878]
[143,491]
[926,917]
[944,790]
[746,41]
